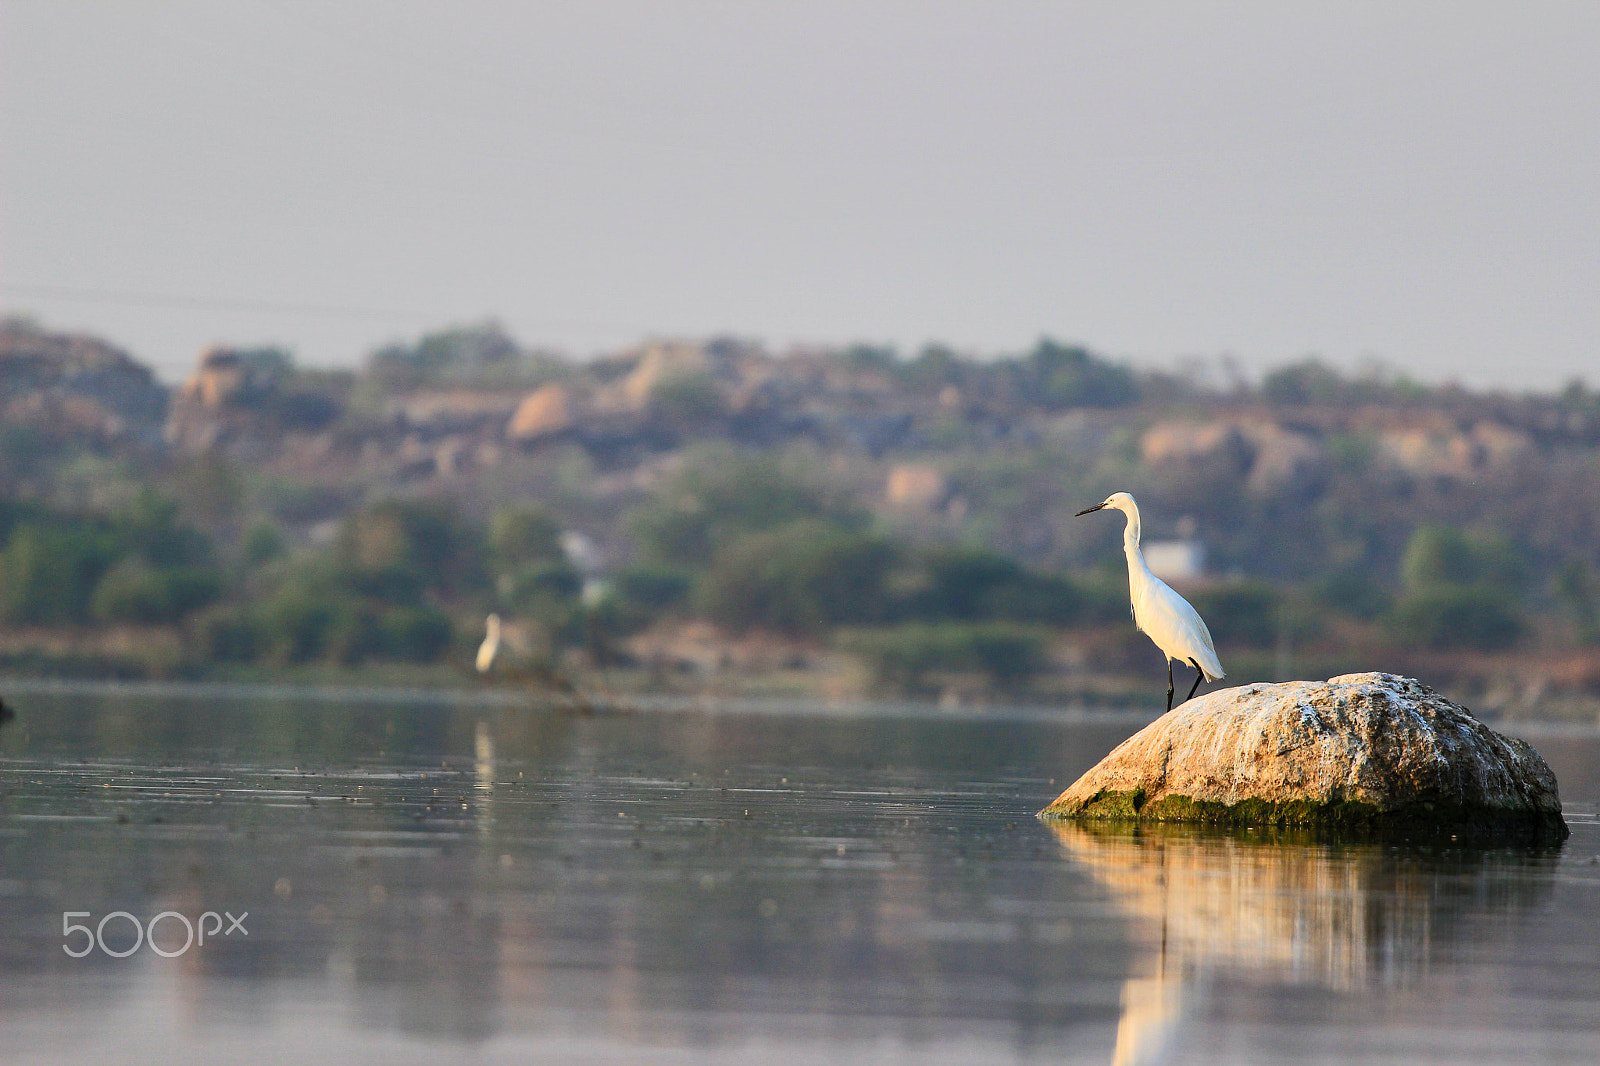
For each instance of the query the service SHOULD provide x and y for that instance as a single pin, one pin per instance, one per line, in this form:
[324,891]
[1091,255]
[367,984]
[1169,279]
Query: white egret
[490,646]
[1160,613]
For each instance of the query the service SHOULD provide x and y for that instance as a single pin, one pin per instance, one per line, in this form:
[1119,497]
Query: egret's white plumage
[490,646]
[1160,613]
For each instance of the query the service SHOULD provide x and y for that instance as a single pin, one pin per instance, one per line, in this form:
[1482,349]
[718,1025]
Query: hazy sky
[1417,183]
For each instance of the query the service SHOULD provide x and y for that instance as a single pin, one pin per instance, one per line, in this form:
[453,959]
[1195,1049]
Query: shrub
[229,636]
[1354,594]
[541,588]
[262,544]
[295,625]
[135,591]
[1444,555]
[800,580]
[901,657]
[1244,613]
[1057,375]
[405,537]
[416,634]
[524,534]
[48,573]
[728,496]
[1480,618]
[652,588]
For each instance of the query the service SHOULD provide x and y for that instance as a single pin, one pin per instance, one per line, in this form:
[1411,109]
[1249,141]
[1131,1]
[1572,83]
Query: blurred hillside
[714,516]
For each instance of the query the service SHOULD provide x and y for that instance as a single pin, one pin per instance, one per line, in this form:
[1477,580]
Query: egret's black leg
[1199,675]
[1169,684]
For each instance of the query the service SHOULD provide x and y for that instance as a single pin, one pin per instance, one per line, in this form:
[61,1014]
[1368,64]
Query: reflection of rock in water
[1279,907]
[1344,917]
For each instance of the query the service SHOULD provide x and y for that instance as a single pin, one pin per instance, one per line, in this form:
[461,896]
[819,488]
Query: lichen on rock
[1360,753]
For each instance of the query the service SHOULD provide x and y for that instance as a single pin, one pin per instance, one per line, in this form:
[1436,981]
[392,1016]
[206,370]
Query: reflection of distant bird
[490,646]
[1160,613]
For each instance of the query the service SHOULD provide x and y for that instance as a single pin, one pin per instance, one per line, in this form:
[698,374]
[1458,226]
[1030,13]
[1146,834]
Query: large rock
[1361,752]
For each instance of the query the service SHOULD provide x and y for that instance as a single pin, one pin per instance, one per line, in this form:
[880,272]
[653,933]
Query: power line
[161,299]
[135,298]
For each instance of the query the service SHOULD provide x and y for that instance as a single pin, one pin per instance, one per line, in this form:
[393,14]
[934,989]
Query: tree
[1459,591]
[398,550]
[1483,619]
[801,579]
[523,534]
[48,571]
[726,496]
[902,657]
[1444,555]
[1306,382]
[1057,376]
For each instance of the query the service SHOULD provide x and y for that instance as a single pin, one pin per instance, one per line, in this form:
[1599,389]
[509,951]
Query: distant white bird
[1160,613]
[490,646]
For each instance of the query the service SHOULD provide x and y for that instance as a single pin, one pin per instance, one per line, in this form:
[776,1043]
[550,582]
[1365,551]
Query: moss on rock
[1340,818]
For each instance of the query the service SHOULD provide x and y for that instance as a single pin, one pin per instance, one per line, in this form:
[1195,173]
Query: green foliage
[1311,381]
[1306,382]
[304,622]
[1246,613]
[1578,588]
[354,632]
[399,549]
[1444,556]
[134,590]
[48,571]
[598,628]
[1443,616]
[524,534]
[480,355]
[139,564]
[1354,593]
[800,579]
[542,589]
[967,584]
[148,525]
[724,497]
[294,625]
[974,584]
[1458,591]
[686,402]
[653,589]
[934,367]
[1057,376]
[416,634]
[229,635]
[436,354]
[871,357]
[903,657]
[262,544]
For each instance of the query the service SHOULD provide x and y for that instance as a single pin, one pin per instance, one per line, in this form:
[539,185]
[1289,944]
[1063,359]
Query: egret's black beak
[1088,510]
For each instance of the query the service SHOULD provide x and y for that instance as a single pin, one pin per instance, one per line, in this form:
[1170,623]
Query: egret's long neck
[1130,545]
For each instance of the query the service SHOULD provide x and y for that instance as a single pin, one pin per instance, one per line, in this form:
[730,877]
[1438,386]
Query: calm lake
[392,881]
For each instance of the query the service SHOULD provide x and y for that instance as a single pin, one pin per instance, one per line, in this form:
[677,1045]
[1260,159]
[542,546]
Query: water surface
[427,881]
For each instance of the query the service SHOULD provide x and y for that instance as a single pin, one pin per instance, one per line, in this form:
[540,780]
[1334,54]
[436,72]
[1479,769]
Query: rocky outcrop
[247,402]
[71,383]
[1361,753]
[546,412]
